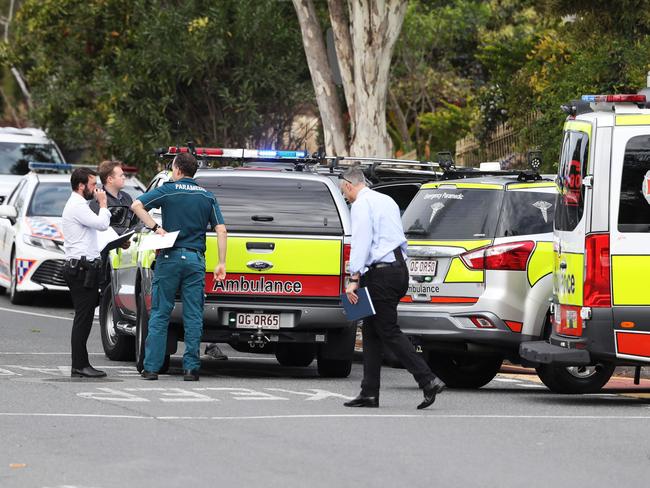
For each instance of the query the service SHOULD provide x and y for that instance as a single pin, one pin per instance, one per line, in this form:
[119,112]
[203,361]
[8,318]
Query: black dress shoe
[430,392]
[214,352]
[87,372]
[190,375]
[363,401]
[149,375]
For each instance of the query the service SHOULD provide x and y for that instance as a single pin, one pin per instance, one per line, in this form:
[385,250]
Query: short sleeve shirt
[186,207]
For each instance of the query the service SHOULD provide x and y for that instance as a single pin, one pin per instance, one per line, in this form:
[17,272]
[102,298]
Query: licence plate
[257,320]
[422,267]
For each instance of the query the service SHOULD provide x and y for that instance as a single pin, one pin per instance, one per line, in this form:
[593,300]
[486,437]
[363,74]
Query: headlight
[48,244]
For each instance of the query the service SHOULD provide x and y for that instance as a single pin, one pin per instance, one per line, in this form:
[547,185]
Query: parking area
[251,421]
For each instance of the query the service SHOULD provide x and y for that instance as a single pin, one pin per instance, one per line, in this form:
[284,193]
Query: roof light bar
[200,151]
[629,98]
[241,153]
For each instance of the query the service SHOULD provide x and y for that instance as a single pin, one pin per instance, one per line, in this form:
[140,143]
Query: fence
[505,145]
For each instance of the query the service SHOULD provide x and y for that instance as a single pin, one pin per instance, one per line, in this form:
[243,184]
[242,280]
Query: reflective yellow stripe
[459,273]
[147,258]
[517,186]
[567,282]
[633,120]
[467,245]
[290,255]
[480,186]
[578,125]
[629,278]
[541,262]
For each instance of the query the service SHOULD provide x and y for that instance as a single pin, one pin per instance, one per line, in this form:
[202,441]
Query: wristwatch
[154,228]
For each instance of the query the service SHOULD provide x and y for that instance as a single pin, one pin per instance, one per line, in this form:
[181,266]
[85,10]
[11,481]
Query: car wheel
[464,371]
[575,379]
[334,368]
[295,354]
[141,327]
[16,297]
[117,346]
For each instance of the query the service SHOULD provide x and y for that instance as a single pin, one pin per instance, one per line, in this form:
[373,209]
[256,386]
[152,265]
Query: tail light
[345,267]
[511,256]
[597,289]
[482,323]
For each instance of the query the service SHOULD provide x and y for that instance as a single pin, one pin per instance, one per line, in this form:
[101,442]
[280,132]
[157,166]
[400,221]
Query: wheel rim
[582,372]
[111,330]
[138,338]
[14,278]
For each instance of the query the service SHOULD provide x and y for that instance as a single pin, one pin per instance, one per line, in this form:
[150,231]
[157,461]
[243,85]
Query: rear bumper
[542,352]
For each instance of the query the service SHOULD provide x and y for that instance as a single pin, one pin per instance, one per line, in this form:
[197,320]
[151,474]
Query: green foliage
[121,77]
[444,127]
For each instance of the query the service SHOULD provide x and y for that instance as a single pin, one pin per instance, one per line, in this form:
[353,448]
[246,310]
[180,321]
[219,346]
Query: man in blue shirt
[188,208]
[377,261]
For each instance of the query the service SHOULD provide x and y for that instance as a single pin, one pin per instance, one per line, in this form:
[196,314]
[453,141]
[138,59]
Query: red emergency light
[200,151]
[629,98]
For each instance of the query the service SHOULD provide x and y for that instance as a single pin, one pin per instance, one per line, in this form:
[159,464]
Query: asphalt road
[251,422]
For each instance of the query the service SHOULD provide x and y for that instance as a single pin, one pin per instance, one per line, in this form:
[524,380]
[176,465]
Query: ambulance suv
[480,262]
[288,244]
[601,245]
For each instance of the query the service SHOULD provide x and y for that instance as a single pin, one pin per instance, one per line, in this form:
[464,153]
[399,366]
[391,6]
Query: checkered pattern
[43,228]
[22,268]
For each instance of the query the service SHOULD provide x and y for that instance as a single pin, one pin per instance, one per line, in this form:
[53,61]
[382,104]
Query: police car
[601,245]
[288,243]
[480,261]
[18,147]
[31,240]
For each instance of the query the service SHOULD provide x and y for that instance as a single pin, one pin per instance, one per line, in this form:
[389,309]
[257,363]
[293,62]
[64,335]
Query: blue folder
[362,309]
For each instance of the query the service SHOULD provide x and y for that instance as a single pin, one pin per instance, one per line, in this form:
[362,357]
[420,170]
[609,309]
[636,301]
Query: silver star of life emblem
[435,208]
[543,207]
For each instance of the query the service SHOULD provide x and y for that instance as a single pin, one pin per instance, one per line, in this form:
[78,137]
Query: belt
[394,264]
[183,249]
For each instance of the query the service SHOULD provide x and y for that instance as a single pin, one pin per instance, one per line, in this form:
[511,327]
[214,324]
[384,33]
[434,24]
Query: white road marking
[36,314]
[314,396]
[45,353]
[333,416]
[506,380]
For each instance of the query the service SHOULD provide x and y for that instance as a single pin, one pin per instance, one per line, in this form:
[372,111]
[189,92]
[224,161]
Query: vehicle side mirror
[8,212]
[119,215]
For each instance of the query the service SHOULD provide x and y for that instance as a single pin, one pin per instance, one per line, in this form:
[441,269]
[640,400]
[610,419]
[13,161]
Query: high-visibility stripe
[459,273]
[569,280]
[540,263]
[514,326]
[274,285]
[633,343]
[578,125]
[289,255]
[479,186]
[632,119]
[629,273]
[517,186]
[466,245]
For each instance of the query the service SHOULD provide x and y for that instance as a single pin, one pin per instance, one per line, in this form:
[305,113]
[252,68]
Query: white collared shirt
[80,226]
[376,230]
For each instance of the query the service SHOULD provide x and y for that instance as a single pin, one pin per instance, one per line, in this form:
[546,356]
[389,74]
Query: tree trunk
[321,75]
[375,26]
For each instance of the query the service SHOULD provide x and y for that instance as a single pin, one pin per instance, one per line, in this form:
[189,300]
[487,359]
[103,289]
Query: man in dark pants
[82,262]
[377,261]
[187,208]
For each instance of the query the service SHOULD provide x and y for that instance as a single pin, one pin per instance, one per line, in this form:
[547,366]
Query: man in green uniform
[188,208]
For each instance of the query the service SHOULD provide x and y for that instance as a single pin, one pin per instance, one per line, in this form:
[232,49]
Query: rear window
[452,213]
[572,170]
[15,157]
[634,210]
[268,204]
[526,212]
[402,193]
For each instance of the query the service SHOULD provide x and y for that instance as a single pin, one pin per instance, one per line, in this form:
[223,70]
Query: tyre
[464,371]
[575,379]
[141,327]
[334,368]
[3,290]
[117,346]
[300,355]
[16,297]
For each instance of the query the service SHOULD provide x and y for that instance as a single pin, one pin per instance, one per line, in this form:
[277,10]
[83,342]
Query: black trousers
[84,300]
[386,287]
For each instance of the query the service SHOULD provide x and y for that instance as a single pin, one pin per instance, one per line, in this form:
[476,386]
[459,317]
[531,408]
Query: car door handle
[260,246]
[563,265]
[262,218]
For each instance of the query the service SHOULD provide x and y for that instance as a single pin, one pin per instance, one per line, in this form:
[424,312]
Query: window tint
[443,213]
[573,168]
[634,210]
[269,204]
[526,212]
[15,157]
[49,199]
[402,193]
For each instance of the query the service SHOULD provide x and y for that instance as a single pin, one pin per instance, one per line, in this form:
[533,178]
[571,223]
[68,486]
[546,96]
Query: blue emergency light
[629,98]
[262,153]
[51,166]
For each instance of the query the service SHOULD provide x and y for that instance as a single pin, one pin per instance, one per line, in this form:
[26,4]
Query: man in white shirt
[377,262]
[83,264]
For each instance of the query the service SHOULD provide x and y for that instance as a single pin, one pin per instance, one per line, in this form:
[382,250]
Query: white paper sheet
[109,236]
[155,241]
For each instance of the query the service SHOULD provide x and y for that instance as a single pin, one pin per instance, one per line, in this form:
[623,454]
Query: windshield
[452,213]
[49,199]
[15,156]
[268,204]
